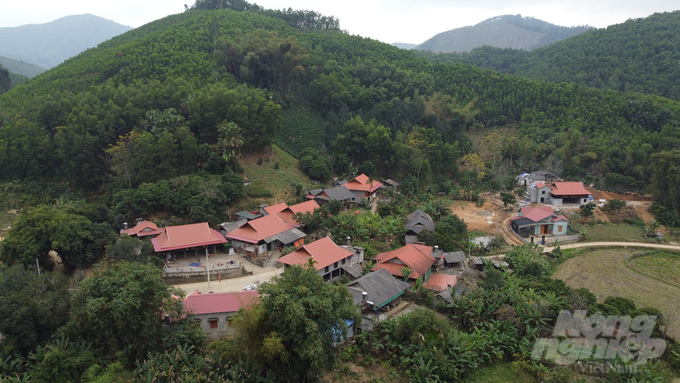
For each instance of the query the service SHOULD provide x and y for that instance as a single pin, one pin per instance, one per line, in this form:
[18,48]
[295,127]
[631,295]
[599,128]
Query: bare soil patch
[611,272]
[486,218]
[601,194]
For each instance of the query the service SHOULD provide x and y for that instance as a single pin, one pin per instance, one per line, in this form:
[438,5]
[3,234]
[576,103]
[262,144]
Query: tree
[587,210]
[292,329]
[508,199]
[5,80]
[451,232]
[73,237]
[131,249]
[427,236]
[406,272]
[120,309]
[32,307]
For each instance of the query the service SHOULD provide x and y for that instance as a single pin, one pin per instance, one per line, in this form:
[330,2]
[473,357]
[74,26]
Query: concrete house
[329,258]
[528,179]
[213,311]
[535,221]
[418,257]
[415,223]
[569,193]
[539,193]
[363,188]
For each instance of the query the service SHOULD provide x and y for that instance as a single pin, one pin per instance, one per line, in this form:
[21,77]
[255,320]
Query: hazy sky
[389,21]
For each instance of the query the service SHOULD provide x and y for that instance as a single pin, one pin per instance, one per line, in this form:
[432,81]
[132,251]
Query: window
[326,269]
[343,260]
[213,322]
[230,321]
[543,192]
[559,229]
[335,265]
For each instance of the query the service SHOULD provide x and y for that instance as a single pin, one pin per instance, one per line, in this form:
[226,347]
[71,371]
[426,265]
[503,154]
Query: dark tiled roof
[380,285]
[456,256]
[353,269]
[339,193]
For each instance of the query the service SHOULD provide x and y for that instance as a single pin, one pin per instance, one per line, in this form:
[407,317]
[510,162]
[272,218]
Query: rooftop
[324,252]
[363,183]
[568,188]
[440,282]
[218,302]
[259,229]
[339,193]
[417,257]
[143,229]
[186,236]
[279,207]
[380,285]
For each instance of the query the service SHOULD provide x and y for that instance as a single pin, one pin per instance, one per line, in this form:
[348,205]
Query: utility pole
[207,262]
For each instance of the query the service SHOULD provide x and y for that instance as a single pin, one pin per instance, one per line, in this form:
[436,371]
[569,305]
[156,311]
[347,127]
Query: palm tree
[406,272]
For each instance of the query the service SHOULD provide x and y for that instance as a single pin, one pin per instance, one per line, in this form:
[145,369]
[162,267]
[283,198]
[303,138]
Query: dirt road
[619,244]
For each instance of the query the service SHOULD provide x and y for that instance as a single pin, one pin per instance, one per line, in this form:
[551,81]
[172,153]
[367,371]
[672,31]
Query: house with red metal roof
[287,213]
[569,193]
[180,239]
[418,257]
[264,234]
[363,187]
[439,282]
[213,311]
[142,229]
[538,221]
[329,258]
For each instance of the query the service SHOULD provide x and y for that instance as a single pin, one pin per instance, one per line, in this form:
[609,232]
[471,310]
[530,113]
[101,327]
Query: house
[268,210]
[417,257]
[336,193]
[454,259]
[539,193]
[538,221]
[305,207]
[415,223]
[213,311]
[526,179]
[392,185]
[264,234]
[248,215]
[376,293]
[477,263]
[363,188]
[569,193]
[445,296]
[440,282]
[327,256]
[180,239]
[142,229]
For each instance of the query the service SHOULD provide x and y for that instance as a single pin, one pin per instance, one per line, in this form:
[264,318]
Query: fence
[550,240]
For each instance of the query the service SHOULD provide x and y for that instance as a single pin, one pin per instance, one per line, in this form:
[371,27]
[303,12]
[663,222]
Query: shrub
[276,166]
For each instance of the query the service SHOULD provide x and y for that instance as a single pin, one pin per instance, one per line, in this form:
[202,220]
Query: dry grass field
[652,279]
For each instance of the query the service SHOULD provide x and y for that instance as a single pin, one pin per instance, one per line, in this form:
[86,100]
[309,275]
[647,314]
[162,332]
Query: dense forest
[176,81]
[639,55]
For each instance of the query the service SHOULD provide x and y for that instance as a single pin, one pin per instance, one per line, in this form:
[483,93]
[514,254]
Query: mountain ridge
[49,44]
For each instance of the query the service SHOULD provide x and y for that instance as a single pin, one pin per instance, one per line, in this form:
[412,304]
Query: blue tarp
[195,264]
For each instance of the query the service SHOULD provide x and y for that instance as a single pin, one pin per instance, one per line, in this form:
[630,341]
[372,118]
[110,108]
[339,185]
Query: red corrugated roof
[540,185]
[144,229]
[418,257]
[186,236]
[305,207]
[324,251]
[568,188]
[259,229]
[537,213]
[279,207]
[218,302]
[440,282]
[362,183]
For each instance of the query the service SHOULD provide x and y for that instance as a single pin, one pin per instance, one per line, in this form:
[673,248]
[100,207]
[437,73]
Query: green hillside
[639,55]
[508,31]
[48,45]
[21,68]
[384,109]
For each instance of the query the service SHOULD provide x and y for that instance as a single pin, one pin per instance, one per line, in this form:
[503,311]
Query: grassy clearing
[300,129]
[611,232]
[279,182]
[376,373]
[646,278]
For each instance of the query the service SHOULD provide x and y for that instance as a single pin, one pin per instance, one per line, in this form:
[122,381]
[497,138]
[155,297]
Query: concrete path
[619,244]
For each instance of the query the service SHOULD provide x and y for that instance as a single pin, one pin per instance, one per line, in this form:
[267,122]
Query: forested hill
[507,31]
[640,55]
[182,95]
[47,45]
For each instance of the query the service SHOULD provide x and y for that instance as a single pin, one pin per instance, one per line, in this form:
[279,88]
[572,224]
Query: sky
[385,20]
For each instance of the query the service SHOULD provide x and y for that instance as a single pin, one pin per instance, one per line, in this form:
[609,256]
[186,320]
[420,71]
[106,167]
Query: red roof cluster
[324,252]
[286,214]
[186,236]
[216,303]
[418,257]
[568,188]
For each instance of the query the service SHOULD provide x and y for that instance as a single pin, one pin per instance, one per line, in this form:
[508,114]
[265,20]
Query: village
[220,269]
